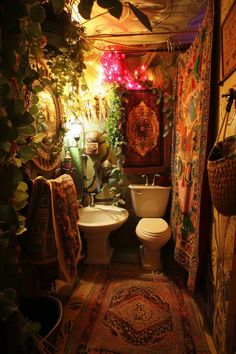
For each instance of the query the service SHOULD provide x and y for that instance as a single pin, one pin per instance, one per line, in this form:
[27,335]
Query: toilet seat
[153,227]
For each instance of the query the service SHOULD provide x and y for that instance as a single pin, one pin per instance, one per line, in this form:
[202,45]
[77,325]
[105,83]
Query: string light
[116,70]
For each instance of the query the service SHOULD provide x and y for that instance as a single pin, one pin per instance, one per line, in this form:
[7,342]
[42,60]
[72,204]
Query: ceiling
[174,23]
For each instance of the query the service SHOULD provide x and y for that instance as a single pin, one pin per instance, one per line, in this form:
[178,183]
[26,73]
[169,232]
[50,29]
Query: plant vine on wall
[115,137]
[26,47]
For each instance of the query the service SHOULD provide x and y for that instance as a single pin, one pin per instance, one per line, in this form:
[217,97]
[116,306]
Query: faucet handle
[146,179]
[92,198]
[154,178]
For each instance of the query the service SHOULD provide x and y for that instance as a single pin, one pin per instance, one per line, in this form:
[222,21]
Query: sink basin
[102,217]
[97,223]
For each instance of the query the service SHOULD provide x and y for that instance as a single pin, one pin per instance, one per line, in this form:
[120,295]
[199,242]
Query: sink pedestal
[97,223]
[100,252]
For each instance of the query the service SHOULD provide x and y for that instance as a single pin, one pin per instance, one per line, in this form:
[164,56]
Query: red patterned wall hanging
[143,130]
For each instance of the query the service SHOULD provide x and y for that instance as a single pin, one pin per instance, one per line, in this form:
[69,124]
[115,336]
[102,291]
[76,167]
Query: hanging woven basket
[221,167]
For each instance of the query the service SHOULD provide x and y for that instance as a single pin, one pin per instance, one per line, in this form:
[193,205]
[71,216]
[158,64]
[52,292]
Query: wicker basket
[221,167]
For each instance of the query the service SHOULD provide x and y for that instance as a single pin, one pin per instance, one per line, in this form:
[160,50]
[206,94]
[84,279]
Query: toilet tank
[149,201]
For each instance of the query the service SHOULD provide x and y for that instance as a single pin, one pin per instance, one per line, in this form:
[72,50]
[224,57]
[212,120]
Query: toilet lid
[153,226]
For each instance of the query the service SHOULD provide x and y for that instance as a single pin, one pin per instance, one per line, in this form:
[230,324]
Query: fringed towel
[52,226]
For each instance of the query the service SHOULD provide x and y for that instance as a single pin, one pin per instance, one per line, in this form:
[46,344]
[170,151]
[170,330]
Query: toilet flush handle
[138,192]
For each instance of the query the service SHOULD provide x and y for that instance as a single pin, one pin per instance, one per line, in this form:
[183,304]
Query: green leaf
[38,138]
[85,8]
[105,4]
[36,51]
[27,130]
[26,153]
[141,16]
[108,4]
[34,109]
[58,5]
[35,99]
[34,30]
[37,89]
[46,81]
[23,119]
[26,119]
[37,13]
[20,198]
[116,11]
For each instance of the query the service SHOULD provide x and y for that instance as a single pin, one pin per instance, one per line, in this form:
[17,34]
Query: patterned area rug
[122,309]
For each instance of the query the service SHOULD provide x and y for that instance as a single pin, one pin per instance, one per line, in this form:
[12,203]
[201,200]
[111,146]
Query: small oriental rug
[124,310]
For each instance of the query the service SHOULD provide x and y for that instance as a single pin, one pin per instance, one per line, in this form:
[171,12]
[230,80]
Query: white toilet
[150,203]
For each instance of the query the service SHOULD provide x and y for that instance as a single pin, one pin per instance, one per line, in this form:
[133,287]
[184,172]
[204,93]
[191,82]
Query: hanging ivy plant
[114,122]
[116,139]
[25,43]
[21,41]
[30,36]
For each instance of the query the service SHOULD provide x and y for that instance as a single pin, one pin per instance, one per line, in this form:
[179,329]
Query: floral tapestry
[189,148]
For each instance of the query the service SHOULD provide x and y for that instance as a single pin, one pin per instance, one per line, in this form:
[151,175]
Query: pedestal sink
[96,224]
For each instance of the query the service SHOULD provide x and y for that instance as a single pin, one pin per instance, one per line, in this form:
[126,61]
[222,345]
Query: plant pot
[44,309]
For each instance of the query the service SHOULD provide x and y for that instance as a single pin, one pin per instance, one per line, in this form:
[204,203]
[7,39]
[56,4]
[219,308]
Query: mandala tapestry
[143,130]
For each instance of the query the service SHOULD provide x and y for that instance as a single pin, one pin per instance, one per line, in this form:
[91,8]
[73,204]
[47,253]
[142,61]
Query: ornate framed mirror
[49,121]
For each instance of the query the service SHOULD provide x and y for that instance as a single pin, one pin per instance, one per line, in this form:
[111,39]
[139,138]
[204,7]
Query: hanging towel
[52,226]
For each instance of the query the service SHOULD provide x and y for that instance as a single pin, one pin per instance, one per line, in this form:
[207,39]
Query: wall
[219,290]
[161,70]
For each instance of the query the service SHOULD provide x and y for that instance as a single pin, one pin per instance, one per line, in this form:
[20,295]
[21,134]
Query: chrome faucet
[146,179]
[92,199]
[154,179]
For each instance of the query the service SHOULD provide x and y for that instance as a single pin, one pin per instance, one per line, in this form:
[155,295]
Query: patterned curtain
[190,146]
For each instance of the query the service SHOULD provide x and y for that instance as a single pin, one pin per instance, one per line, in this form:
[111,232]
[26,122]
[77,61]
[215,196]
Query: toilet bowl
[153,232]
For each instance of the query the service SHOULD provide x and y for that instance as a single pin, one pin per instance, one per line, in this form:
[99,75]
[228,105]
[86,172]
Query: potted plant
[17,333]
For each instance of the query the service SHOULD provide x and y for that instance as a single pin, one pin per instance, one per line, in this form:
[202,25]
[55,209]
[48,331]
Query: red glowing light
[116,70]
